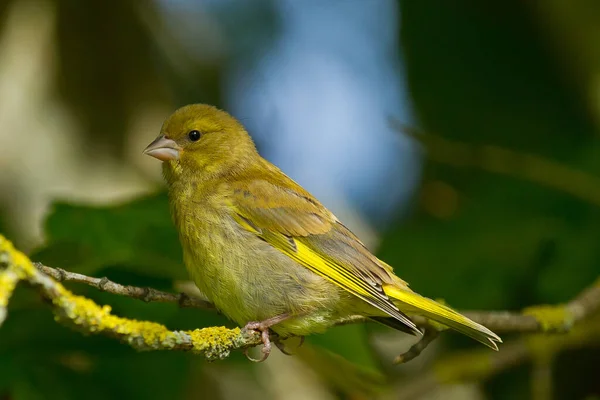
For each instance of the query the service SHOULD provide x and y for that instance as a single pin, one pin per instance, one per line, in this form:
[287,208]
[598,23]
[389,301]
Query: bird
[264,251]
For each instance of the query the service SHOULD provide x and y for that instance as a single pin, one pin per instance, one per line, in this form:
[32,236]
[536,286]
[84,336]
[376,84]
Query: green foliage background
[482,73]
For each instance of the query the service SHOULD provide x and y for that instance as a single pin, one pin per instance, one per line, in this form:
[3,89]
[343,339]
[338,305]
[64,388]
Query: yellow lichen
[23,266]
[543,345]
[215,342]
[9,274]
[87,316]
[551,318]
[8,282]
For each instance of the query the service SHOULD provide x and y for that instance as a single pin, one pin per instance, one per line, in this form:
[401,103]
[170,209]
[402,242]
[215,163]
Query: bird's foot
[430,333]
[281,346]
[263,328]
[265,337]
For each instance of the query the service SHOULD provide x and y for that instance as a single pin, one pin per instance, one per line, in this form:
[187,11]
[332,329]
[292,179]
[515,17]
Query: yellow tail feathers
[411,302]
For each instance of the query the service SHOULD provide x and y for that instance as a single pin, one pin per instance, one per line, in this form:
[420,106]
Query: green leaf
[138,236]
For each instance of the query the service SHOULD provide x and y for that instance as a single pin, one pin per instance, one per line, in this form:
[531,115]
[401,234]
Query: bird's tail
[413,303]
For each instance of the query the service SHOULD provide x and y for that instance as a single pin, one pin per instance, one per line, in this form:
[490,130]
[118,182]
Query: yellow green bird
[265,252]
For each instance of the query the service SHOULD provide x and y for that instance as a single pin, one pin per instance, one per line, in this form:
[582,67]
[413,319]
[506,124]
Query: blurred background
[459,139]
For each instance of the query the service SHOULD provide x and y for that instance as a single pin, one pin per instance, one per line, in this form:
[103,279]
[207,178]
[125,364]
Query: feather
[308,233]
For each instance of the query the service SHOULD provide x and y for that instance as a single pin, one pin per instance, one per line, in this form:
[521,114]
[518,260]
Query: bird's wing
[292,221]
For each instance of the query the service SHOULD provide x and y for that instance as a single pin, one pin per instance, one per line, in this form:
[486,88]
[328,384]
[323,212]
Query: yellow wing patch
[297,250]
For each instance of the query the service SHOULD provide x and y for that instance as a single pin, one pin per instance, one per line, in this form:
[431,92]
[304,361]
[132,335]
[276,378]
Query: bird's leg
[263,328]
[282,348]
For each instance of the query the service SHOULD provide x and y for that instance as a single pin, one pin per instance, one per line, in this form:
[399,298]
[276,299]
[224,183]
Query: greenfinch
[264,251]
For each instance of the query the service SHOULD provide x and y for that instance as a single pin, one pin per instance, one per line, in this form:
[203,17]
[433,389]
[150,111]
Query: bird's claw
[266,340]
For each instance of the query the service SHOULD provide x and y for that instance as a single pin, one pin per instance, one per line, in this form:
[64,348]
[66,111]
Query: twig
[463,367]
[141,293]
[217,342]
[545,318]
[535,319]
[478,365]
[85,315]
[504,321]
[508,162]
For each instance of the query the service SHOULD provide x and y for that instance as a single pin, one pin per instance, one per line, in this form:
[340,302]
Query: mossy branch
[217,342]
[543,318]
[549,318]
[85,315]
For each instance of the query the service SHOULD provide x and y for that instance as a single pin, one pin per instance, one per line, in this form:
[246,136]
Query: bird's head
[201,139]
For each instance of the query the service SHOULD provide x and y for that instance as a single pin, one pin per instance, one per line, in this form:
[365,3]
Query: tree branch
[558,318]
[217,342]
[536,319]
[146,294]
[429,335]
[85,315]
[544,318]
[498,160]
[478,365]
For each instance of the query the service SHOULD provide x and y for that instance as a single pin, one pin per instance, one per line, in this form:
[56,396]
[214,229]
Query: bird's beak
[163,148]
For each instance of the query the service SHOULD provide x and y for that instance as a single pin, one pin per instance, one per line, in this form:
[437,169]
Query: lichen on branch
[85,315]
[217,342]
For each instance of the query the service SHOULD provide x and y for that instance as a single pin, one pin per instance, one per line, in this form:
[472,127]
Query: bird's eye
[194,135]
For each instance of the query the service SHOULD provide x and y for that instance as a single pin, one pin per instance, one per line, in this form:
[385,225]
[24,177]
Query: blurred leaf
[137,236]
[495,242]
[483,73]
[479,74]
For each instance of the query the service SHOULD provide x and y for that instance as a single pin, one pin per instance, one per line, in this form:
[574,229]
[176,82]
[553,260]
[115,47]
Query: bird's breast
[247,278]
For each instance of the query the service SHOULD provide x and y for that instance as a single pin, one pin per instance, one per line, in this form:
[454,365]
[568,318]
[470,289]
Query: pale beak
[163,148]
